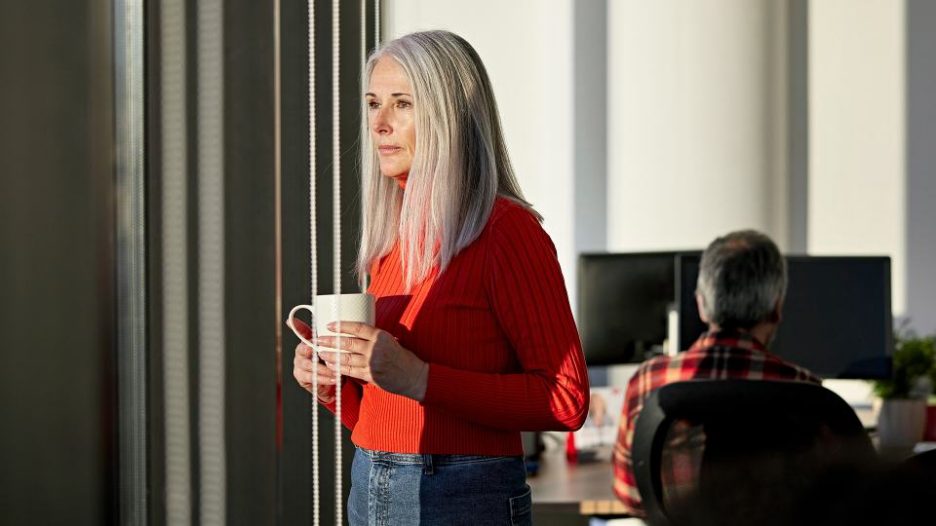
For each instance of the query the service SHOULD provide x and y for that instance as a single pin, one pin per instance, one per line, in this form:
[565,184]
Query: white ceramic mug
[351,307]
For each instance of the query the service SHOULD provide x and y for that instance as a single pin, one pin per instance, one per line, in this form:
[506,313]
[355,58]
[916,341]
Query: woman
[474,338]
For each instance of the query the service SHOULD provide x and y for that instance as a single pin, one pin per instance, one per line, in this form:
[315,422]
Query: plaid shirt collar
[728,338]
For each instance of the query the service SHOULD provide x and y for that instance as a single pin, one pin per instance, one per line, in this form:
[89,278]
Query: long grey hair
[460,163]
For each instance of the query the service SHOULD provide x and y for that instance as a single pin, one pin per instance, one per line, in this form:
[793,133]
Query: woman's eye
[404,104]
[373,105]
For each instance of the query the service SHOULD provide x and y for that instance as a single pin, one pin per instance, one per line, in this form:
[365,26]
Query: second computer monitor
[837,318]
[622,305]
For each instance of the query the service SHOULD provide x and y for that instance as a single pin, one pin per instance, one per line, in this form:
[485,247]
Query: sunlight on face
[391,118]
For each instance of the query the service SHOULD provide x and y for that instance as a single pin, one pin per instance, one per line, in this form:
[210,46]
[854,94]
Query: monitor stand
[671,345]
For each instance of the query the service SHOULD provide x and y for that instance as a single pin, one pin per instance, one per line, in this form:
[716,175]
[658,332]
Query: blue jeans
[395,489]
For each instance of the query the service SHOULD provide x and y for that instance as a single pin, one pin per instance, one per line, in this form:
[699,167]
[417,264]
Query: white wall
[857,132]
[697,121]
[526,46]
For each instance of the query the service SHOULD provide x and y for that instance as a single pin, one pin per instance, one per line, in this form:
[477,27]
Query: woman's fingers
[343,360]
[353,365]
[304,364]
[306,374]
[343,343]
[303,358]
[305,361]
[322,379]
[309,371]
[355,328]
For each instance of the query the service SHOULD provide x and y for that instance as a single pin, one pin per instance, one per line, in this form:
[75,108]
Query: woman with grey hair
[474,339]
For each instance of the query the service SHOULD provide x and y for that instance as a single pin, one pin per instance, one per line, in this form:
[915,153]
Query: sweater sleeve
[351,394]
[528,296]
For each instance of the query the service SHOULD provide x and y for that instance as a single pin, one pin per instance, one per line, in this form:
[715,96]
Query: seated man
[740,291]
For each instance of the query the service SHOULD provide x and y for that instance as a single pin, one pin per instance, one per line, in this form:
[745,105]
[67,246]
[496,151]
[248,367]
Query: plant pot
[901,423]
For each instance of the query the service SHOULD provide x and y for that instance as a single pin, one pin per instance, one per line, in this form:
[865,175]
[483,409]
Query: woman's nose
[380,124]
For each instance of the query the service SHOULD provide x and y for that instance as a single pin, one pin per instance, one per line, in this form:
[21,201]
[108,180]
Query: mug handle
[289,322]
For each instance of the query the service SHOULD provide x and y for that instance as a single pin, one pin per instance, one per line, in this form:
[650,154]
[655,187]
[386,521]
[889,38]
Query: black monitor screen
[837,319]
[622,304]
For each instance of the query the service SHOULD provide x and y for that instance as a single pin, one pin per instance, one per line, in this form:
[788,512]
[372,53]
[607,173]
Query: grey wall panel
[921,165]
[590,110]
[249,263]
[798,124]
[156,430]
[57,375]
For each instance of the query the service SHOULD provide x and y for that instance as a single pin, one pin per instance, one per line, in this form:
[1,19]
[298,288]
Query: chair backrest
[895,494]
[765,443]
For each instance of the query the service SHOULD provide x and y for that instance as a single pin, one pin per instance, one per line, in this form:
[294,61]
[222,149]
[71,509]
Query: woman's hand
[306,366]
[377,357]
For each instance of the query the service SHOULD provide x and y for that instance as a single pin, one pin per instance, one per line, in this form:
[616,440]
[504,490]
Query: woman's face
[391,118]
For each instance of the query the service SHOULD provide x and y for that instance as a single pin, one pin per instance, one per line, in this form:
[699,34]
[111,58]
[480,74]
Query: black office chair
[767,446]
[900,494]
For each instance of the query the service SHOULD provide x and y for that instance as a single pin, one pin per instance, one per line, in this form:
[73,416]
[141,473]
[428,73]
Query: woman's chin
[399,177]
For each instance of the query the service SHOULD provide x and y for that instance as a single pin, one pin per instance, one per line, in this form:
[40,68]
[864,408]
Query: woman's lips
[388,150]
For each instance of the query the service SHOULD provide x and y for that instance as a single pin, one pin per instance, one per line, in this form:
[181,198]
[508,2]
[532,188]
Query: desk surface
[585,486]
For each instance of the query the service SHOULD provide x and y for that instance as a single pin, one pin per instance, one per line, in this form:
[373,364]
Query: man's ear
[700,304]
[776,316]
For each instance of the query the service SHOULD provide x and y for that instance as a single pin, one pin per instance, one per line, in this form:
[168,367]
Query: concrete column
[697,121]
[857,130]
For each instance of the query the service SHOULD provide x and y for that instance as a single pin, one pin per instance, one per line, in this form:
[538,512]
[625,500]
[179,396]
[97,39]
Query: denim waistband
[425,459]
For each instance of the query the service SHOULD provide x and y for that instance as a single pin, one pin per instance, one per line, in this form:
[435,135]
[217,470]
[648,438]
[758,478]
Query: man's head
[742,281]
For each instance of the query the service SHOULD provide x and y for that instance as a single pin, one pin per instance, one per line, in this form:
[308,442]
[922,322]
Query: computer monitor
[837,319]
[623,301]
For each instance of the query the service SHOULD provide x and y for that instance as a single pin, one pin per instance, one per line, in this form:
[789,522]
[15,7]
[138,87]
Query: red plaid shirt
[715,355]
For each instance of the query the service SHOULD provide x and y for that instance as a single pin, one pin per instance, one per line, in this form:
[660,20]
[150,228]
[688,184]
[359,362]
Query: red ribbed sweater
[497,331]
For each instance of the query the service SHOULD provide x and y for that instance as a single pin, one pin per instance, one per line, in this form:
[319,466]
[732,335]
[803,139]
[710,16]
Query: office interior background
[154,164]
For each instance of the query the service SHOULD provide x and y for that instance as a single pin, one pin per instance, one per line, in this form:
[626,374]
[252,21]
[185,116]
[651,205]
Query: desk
[567,494]
[582,488]
[585,488]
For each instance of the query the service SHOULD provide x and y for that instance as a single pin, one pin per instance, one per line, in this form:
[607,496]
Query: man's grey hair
[741,279]
[460,165]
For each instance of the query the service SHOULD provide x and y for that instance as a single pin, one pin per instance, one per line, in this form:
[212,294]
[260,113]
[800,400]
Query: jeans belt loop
[428,468]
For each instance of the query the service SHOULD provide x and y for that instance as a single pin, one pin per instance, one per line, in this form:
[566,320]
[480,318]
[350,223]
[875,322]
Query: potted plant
[902,416]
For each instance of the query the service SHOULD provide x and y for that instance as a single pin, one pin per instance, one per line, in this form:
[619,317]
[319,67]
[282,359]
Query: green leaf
[914,360]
